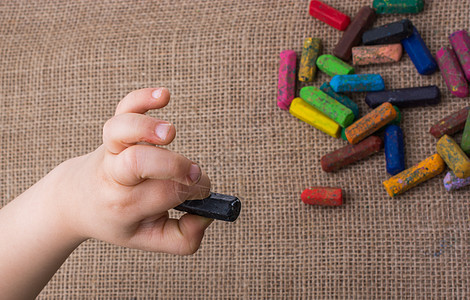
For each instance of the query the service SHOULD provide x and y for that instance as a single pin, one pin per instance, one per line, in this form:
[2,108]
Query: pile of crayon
[332,112]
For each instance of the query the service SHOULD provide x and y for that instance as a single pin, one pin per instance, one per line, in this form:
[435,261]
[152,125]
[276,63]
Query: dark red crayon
[351,153]
[451,124]
[364,19]
[329,15]
[324,196]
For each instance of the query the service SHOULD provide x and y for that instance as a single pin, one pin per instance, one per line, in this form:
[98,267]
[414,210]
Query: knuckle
[107,129]
[188,247]
[182,192]
[202,188]
[119,205]
[146,126]
[204,192]
[130,159]
[178,166]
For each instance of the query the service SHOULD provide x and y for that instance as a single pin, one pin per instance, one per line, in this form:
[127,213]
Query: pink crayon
[286,83]
[451,72]
[460,42]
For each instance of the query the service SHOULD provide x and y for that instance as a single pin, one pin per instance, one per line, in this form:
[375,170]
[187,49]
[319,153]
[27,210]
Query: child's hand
[121,192]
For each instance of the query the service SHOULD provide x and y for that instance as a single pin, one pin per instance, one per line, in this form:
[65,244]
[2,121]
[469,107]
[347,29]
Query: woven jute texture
[65,66]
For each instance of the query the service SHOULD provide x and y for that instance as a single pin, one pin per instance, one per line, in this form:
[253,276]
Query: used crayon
[377,54]
[323,196]
[341,98]
[465,143]
[310,52]
[331,65]
[460,42]
[286,82]
[452,72]
[389,33]
[426,169]
[451,124]
[327,105]
[394,149]
[310,115]
[357,83]
[419,53]
[216,206]
[370,123]
[452,182]
[454,156]
[364,18]
[351,153]
[398,6]
[406,97]
[328,15]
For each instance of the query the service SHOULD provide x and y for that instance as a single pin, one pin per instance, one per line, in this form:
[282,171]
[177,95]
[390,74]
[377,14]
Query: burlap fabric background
[65,66]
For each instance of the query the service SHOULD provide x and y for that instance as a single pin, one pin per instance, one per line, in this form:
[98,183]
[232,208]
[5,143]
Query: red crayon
[451,124]
[329,15]
[324,196]
[351,153]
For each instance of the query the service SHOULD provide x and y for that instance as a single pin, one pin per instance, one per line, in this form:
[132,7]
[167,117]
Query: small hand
[121,192]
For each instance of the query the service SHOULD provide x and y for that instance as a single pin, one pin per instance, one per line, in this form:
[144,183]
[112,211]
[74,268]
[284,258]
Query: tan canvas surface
[65,65]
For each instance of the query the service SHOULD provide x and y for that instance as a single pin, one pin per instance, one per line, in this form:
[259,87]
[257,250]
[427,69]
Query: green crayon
[398,6]
[327,105]
[332,65]
[465,143]
[343,134]
[397,120]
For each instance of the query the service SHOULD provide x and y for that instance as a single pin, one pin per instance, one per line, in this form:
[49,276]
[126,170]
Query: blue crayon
[394,149]
[343,99]
[357,83]
[419,53]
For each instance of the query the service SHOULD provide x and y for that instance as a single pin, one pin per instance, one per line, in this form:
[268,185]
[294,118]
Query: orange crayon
[370,123]
[426,169]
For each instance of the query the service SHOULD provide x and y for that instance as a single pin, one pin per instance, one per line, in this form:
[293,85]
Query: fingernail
[162,130]
[194,173]
[157,93]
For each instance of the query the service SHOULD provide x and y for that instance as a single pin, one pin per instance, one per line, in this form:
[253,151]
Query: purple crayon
[460,42]
[452,72]
[452,182]
[286,83]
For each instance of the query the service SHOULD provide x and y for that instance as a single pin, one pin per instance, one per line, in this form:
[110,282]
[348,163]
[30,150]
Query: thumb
[176,236]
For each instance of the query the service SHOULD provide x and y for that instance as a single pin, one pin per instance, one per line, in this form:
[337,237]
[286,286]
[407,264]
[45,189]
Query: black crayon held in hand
[216,206]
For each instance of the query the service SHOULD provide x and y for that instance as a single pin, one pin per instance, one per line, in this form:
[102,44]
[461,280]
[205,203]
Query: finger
[125,130]
[182,237]
[141,101]
[139,162]
[155,196]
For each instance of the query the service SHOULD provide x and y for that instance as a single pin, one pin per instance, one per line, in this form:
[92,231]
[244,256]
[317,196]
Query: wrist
[54,196]
[40,209]
[39,241]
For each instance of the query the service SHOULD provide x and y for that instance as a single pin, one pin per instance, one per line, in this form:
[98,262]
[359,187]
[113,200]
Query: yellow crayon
[413,176]
[310,52]
[309,114]
[454,156]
